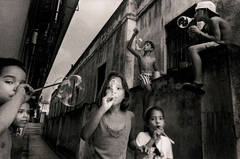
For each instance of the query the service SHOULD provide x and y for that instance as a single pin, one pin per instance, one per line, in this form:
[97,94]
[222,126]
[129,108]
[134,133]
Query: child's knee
[192,49]
[148,88]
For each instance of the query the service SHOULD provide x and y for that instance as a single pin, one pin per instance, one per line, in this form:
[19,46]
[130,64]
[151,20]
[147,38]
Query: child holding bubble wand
[109,129]
[154,143]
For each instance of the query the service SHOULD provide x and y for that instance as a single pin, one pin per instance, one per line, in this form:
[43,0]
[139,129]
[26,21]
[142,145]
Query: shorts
[145,78]
[207,45]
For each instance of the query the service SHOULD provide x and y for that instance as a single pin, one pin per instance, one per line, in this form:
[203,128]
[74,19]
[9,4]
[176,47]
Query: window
[100,77]
[177,43]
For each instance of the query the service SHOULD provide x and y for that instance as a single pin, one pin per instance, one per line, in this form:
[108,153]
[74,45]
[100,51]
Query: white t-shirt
[164,145]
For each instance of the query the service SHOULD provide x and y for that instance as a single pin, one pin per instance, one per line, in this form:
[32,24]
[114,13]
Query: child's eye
[161,118]
[20,111]
[9,82]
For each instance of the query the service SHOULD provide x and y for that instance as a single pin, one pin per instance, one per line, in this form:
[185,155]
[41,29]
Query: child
[154,143]
[17,127]
[109,128]
[12,96]
[216,31]
[21,119]
[147,66]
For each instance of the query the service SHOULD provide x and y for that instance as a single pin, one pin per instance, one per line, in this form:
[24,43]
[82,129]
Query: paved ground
[35,146]
[38,149]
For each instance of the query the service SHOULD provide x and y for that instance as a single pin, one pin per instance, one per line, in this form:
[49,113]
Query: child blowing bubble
[109,129]
[148,67]
[215,31]
[154,143]
[12,96]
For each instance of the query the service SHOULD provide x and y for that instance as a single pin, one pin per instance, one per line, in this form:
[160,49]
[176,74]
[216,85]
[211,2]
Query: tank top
[109,144]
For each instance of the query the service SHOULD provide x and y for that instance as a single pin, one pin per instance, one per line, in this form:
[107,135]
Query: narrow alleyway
[37,148]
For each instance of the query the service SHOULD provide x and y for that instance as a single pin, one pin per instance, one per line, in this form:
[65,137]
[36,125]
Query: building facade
[197,124]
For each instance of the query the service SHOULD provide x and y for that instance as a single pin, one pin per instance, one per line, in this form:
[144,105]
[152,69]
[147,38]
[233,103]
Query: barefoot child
[12,96]
[147,66]
[154,143]
[109,129]
[215,31]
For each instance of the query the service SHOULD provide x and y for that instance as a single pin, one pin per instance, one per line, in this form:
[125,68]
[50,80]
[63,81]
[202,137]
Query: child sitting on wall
[216,31]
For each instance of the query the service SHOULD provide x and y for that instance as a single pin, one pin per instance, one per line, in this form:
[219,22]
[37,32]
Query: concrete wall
[13,16]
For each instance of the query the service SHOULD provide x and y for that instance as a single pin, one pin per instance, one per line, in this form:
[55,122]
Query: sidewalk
[38,149]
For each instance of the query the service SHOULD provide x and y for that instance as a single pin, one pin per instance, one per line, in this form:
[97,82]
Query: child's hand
[135,31]
[157,133]
[145,149]
[24,91]
[107,101]
[194,29]
[157,157]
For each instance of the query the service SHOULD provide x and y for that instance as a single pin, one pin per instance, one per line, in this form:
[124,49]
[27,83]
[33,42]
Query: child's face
[200,14]
[22,116]
[147,47]
[116,89]
[156,120]
[10,78]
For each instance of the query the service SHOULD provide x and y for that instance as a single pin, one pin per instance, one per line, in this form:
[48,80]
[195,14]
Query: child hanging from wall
[153,143]
[12,96]
[148,67]
[215,31]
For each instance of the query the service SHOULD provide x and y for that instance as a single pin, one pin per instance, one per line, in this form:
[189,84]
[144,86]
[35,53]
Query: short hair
[125,103]
[5,62]
[150,42]
[149,111]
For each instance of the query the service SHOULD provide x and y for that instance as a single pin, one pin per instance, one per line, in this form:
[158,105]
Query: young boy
[12,96]
[215,31]
[147,65]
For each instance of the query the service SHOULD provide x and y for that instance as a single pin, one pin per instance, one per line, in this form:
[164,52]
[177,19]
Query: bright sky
[85,25]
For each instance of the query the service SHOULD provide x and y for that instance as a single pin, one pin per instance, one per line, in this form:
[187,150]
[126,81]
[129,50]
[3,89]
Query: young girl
[17,133]
[154,143]
[109,128]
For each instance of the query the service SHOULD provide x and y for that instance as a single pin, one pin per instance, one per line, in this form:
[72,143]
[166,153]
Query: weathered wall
[191,120]
[13,16]
[218,105]
[182,112]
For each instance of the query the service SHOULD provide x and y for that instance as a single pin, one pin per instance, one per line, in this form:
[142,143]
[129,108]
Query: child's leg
[197,63]
[196,60]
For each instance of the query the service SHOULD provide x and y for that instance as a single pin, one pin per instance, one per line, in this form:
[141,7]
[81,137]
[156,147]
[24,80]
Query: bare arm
[91,126]
[9,109]
[216,31]
[214,27]
[132,142]
[129,46]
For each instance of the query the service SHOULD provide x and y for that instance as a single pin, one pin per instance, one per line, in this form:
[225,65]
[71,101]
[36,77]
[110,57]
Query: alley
[37,147]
